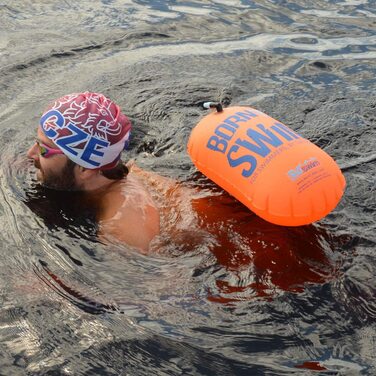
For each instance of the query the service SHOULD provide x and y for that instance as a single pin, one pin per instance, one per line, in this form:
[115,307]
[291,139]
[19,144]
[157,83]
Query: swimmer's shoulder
[129,214]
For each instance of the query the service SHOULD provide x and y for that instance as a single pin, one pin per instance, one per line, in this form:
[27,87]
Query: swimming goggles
[46,151]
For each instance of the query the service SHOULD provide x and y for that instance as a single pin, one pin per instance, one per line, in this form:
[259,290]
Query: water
[230,293]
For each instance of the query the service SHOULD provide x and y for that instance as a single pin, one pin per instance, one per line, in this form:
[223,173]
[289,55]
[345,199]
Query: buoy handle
[217,106]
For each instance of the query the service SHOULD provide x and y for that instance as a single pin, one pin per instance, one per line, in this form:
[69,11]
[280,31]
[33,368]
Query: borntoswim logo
[250,149]
[301,168]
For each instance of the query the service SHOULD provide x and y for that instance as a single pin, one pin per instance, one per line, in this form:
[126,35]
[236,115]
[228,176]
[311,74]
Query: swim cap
[89,129]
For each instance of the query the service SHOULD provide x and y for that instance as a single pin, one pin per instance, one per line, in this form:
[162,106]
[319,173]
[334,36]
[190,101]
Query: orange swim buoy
[279,175]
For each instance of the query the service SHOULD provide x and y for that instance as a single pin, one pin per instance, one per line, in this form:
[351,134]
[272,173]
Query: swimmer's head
[88,128]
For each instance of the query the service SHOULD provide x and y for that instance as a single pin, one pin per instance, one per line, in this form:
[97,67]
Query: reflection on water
[271,257]
[222,291]
[67,210]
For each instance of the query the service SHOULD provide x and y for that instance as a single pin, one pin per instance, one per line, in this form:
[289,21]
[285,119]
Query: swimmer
[78,147]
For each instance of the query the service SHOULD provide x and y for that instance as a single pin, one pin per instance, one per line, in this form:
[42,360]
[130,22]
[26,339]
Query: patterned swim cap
[89,129]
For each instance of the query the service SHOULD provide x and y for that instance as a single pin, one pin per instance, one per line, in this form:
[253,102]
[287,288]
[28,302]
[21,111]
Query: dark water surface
[240,296]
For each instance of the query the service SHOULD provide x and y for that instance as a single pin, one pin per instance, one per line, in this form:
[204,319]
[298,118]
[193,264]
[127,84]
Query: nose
[32,153]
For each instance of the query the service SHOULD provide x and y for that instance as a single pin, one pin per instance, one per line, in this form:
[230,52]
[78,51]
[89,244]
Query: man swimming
[78,147]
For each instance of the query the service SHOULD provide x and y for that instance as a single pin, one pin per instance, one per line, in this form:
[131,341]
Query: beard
[63,181]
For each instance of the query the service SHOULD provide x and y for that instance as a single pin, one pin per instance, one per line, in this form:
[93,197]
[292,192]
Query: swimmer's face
[55,171]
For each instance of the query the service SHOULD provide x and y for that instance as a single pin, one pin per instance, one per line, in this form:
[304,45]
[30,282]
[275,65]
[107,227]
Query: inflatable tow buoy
[276,173]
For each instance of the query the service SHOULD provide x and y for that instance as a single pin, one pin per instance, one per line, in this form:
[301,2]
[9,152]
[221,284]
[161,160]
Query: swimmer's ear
[86,173]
